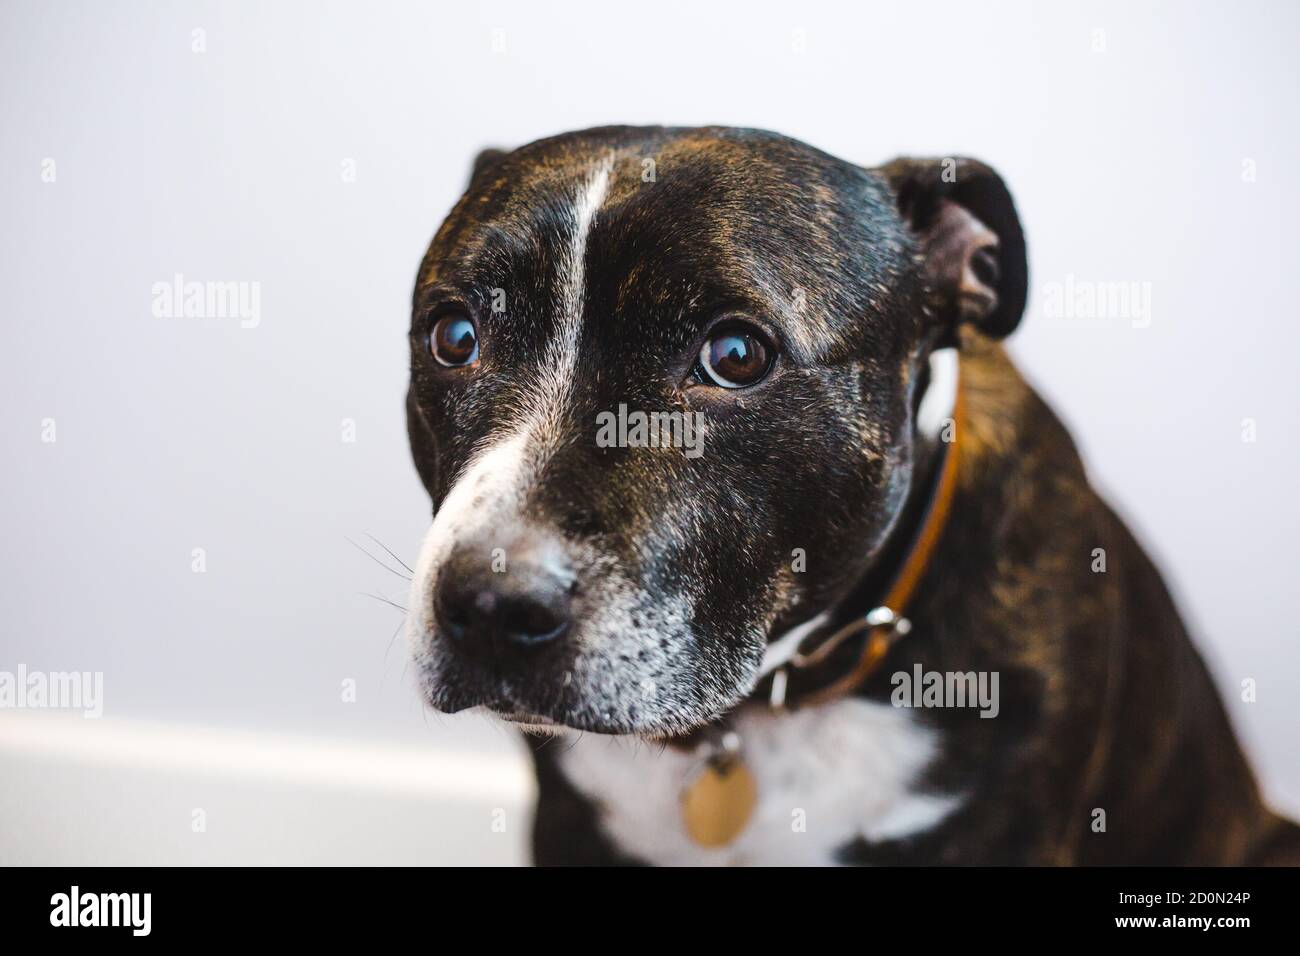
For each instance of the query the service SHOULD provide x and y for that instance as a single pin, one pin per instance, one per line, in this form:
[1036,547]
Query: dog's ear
[485,160]
[974,248]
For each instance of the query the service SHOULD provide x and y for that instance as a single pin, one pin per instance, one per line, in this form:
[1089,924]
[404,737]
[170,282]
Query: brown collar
[811,649]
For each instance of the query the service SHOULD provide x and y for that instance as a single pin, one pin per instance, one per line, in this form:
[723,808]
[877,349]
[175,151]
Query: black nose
[503,596]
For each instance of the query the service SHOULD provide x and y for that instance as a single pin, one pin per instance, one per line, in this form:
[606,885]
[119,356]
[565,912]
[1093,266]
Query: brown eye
[735,356]
[454,340]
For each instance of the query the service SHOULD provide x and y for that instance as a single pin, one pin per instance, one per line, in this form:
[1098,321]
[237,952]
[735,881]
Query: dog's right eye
[735,356]
[454,340]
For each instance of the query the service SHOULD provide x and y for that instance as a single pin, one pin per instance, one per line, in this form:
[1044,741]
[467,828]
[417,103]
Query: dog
[721,640]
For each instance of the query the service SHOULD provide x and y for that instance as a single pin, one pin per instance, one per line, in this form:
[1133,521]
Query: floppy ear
[974,249]
[484,160]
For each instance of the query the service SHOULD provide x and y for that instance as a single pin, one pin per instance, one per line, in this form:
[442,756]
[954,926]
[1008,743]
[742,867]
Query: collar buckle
[886,623]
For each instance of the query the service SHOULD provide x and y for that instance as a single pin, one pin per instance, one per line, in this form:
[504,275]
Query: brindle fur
[1104,702]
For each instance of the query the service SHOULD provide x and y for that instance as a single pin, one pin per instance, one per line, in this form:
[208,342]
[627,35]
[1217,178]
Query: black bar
[335,905]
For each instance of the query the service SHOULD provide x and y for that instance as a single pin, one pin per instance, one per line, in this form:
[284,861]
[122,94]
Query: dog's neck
[934,410]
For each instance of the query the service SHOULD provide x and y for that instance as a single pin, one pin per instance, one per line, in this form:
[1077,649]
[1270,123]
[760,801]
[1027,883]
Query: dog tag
[718,803]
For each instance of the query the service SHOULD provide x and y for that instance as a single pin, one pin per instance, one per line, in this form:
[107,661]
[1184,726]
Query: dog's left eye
[454,339]
[735,356]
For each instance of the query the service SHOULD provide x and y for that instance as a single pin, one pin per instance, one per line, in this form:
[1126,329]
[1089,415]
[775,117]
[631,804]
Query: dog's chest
[825,777]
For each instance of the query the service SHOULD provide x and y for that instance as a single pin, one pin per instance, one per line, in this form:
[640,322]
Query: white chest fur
[825,777]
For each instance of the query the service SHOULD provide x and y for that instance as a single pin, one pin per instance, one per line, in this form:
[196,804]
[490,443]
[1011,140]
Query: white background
[174,434]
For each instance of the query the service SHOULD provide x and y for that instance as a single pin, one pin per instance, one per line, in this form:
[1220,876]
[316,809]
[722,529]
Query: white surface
[120,792]
[175,434]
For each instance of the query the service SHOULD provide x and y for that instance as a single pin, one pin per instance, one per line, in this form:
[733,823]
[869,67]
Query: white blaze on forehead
[557,370]
[492,489]
[590,196]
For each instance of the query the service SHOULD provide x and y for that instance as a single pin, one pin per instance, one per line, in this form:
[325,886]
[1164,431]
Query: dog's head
[663,389]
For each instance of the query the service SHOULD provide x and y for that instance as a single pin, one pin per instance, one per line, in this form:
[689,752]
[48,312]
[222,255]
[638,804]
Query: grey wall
[1165,159]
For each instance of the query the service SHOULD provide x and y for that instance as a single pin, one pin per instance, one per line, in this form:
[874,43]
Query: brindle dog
[794,300]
